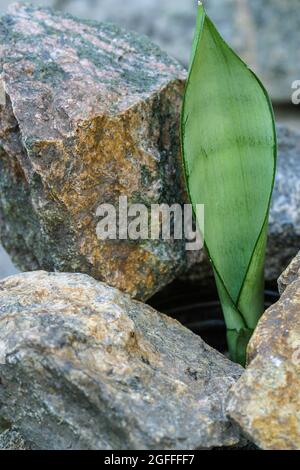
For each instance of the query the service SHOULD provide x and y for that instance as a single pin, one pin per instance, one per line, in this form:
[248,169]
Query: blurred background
[266,34]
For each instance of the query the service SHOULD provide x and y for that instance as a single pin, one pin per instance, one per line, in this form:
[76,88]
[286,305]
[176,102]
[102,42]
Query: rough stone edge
[289,275]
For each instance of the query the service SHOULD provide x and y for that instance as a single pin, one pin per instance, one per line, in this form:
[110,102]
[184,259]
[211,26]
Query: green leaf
[229,151]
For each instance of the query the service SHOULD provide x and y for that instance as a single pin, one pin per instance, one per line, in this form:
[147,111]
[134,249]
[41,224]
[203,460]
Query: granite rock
[259,30]
[265,402]
[91,114]
[11,439]
[291,273]
[83,366]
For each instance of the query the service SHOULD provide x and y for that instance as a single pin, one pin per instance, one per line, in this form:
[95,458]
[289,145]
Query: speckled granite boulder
[92,113]
[284,225]
[265,402]
[83,366]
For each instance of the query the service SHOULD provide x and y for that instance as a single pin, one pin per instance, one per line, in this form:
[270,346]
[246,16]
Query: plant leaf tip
[237,113]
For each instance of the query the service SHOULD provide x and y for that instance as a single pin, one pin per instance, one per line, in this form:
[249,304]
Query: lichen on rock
[92,113]
[11,439]
[290,274]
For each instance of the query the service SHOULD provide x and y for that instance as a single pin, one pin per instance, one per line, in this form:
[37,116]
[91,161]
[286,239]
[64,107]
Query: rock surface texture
[260,31]
[265,402]
[82,366]
[91,114]
[284,231]
[12,440]
[284,225]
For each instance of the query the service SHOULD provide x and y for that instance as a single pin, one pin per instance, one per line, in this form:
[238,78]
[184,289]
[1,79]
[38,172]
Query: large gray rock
[284,226]
[82,366]
[259,30]
[92,113]
[265,402]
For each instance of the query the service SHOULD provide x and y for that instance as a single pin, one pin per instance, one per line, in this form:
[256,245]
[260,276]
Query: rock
[290,274]
[284,226]
[260,33]
[92,113]
[265,402]
[85,367]
[12,440]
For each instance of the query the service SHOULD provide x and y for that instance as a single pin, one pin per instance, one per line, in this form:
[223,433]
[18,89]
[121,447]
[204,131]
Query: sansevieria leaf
[229,152]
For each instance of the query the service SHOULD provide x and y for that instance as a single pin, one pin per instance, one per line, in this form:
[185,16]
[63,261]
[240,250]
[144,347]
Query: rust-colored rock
[92,113]
[265,402]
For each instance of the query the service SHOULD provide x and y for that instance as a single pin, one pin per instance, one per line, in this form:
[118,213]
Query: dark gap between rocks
[200,311]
